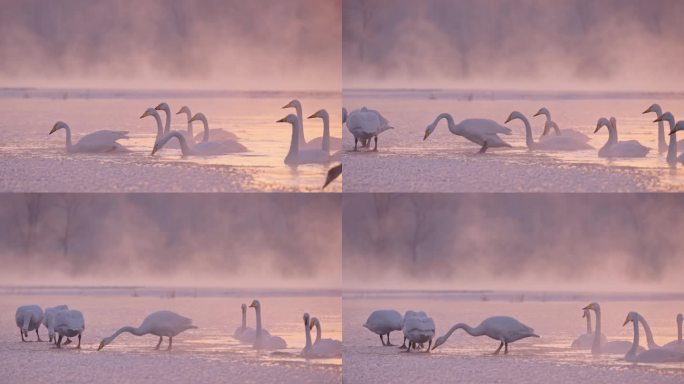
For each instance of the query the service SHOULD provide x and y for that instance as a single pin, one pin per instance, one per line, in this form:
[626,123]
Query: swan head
[58,125]
[514,115]
[104,342]
[585,313]
[198,116]
[600,123]
[593,306]
[439,341]
[184,109]
[294,103]
[149,112]
[322,113]
[255,304]
[678,127]
[306,318]
[543,111]
[163,107]
[632,316]
[680,318]
[428,130]
[653,108]
[613,122]
[314,321]
[292,119]
[344,114]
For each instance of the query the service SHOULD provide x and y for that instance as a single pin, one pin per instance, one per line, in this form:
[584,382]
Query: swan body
[264,340]
[502,328]
[383,322]
[315,143]
[483,132]
[678,344]
[28,318]
[321,348]
[653,355]
[555,143]
[599,346]
[96,142]
[615,148]
[295,155]
[671,157]
[215,133]
[655,108]
[243,333]
[567,133]
[230,145]
[365,124]
[161,323]
[205,148]
[333,173]
[69,323]
[585,340]
[418,328]
[49,319]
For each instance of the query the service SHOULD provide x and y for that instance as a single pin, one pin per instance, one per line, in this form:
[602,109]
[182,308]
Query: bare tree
[31,210]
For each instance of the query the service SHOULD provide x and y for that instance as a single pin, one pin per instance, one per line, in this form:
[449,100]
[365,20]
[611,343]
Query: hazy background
[226,240]
[604,242]
[516,44]
[161,44]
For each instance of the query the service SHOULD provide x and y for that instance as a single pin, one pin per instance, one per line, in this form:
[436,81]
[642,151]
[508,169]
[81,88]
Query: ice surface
[448,163]
[31,160]
[469,359]
[206,355]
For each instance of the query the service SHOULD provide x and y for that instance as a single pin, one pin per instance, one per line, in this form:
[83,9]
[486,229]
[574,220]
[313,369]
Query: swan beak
[312,116]
[626,321]
[658,119]
[587,307]
[155,149]
[597,129]
[289,105]
[194,118]
[101,345]
[509,119]
[54,129]
[283,120]
[179,112]
[144,115]
[536,114]
[647,111]
[427,133]
[158,107]
[669,134]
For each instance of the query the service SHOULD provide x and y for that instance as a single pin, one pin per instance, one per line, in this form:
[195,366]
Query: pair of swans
[599,344]
[216,133]
[567,133]
[654,354]
[203,148]
[28,318]
[584,341]
[298,155]
[68,323]
[321,348]
[418,328]
[365,124]
[49,321]
[616,148]
[324,142]
[662,146]
[383,322]
[161,323]
[243,333]
[102,141]
[483,132]
[504,329]
[567,142]
[672,158]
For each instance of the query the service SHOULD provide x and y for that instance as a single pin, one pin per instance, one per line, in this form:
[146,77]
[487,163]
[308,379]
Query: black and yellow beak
[626,321]
[283,120]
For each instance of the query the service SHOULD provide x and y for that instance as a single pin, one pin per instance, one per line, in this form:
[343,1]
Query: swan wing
[216,134]
[483,127]
[384,321]
[69,321]
[222,147]
[325,348]
[165,323]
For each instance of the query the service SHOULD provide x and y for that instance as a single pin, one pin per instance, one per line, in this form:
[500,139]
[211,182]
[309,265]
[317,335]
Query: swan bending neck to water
[96,142]
[264,340]
[655,108]
[653,355]
[186,110]
[161,323]
[323,114]
[502,328]
[529,140]
[483,132]
[294,103]
[296,155]
[165,107]
[153,112]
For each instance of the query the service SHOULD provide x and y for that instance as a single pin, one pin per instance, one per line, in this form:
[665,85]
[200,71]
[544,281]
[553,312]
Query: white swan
[317,142]
[615,148]
[28,318]
[263,339]
[365,124]
[584,341]
[322,348]
[678,344]
[69,323]
[49,320]
[655,108]
[161,323]
[598,346]
[230,145]
[295,155]
[326,143]
[501,328]
[418,328]
[556,143]
[568,133]
[383,322]
[672,158]
[333,173]
[482,132]
[653,355]
[95,142]
[205,148]
[160,129]
[244,333]
[214,133]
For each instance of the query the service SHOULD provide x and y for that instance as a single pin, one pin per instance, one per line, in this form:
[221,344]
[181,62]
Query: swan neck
[635,343]
[300,124]
[258,321]
[679,331]
[307,332]
[326,133]
[596,344]
[661,136]
[528,131]
[244,318]
[448,118]
[649,335]
[318,331]
[129,329]
[205,138]
[160,129]
[294,142]
[167,126]
[68,137]
[672,148]
[589,329]
[190,127]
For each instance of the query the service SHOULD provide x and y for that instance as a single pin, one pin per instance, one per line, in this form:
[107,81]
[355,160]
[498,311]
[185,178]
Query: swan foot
[499,349]
[158,344]
[403,346]
[79,342]
[484,148]
[506,349]
[59,342]
[37,334]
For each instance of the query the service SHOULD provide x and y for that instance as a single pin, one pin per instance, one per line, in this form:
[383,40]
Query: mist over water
[614,242]
[517,44]
[163,44]
[226,240]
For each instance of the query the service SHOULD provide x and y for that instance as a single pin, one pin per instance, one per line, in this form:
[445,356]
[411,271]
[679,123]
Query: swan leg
[429,345]
[49,339]
[159,343]
[59,341]
[484,148]
[376,143]
[498,349]
[170,342]
[356,141]
[403,345]
[68,341]
[382,341]
[38,334]
[388,342]
[79,341]
[506,349]
[21,333]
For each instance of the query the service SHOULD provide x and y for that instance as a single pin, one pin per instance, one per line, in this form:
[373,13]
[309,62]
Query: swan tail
[366,326]
[535,335]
